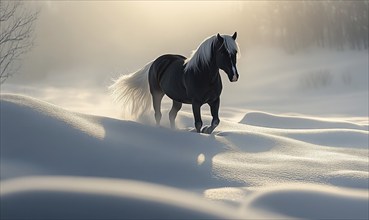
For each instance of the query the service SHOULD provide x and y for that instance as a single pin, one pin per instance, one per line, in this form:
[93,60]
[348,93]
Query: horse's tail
[132,92]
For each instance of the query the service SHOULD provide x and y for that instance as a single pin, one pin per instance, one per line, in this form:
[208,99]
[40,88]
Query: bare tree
[16,35]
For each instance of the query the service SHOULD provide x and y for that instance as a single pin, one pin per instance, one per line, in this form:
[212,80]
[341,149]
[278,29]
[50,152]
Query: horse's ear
[220,38]
[234,35]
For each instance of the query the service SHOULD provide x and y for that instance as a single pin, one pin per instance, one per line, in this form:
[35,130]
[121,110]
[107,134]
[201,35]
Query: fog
[80,46]
[88,42]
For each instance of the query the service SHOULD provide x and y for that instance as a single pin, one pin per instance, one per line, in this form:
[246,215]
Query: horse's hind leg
[156,100]
[173,113]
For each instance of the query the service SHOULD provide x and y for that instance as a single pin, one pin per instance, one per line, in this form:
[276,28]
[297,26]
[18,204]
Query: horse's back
[163,62]
[166,75]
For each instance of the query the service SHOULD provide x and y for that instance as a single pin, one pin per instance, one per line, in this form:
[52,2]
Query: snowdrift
[61,164]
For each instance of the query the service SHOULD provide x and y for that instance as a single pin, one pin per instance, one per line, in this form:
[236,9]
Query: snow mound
[249,141]
[314,202]
[51,141]
[295,122]
[345,138]
[102,198]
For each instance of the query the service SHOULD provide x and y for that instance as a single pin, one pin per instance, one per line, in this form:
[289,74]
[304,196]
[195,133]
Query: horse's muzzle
[235,78]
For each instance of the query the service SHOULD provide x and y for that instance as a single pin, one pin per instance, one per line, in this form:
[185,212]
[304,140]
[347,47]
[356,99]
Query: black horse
[195,81]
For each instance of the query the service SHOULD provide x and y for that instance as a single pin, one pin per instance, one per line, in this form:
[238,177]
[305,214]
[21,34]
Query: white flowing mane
[202,54]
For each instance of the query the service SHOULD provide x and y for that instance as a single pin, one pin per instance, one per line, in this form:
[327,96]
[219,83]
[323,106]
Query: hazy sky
[88,42]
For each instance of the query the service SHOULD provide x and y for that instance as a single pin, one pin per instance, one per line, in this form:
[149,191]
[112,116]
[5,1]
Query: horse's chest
[208,94]
[203,89]
[213,93]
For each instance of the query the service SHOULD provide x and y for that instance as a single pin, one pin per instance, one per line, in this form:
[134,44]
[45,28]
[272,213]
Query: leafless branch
[16,35]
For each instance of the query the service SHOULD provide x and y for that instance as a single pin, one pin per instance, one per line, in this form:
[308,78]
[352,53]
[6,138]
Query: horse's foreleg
[173,113]
[197,115]
[214,108]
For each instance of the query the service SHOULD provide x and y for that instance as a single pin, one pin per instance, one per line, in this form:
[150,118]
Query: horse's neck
[207,73]
[212,71]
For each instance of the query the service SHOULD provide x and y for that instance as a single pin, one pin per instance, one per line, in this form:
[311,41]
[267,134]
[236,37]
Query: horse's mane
[202,55]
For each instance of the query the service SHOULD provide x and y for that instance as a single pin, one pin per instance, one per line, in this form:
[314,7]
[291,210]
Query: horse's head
[226,55]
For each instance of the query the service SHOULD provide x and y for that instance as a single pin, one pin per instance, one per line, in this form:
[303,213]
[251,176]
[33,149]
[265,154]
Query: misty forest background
[296,25]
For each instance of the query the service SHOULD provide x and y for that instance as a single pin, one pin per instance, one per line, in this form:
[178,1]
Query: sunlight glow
[200,159]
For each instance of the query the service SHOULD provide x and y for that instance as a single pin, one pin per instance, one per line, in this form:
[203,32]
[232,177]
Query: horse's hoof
[206,130]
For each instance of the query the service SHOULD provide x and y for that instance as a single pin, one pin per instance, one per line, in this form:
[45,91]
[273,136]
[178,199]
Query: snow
[264,119]
[282,151]
[314,202]
[50,156]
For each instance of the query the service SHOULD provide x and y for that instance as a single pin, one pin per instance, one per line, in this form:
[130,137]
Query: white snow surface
[56,163]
